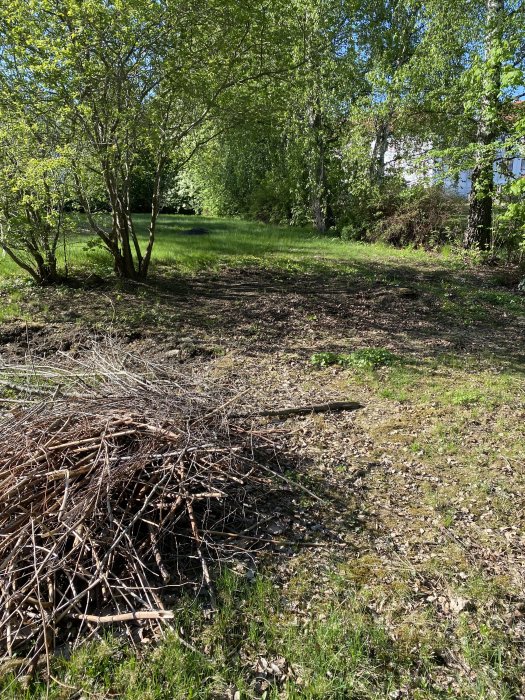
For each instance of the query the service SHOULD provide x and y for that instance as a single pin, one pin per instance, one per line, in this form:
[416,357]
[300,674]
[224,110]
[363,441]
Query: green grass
[237,244]
[419,384]
[230,242]
[364,358]
[335,650]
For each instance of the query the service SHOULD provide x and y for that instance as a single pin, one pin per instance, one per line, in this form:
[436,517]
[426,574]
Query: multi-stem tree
[35,185]
[136,77]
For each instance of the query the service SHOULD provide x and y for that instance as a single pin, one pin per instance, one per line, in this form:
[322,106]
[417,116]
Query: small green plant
[370,358]
[325,359]
[366,358]
[466,397]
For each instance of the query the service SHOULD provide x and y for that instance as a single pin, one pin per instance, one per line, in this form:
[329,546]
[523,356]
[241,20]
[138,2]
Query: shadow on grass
[302,305]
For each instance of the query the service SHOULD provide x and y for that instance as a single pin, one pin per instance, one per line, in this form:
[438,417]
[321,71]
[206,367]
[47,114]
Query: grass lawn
[229,242]
[407,581]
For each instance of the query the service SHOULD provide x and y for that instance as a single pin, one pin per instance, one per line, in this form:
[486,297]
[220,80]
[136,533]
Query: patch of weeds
[326,359]
[447,439]
[417,447]
[12,305]
[399,383]
[503,299]
[9,311]
[394,395]
[365,358]
[466,397]
[449,518]
[446,359]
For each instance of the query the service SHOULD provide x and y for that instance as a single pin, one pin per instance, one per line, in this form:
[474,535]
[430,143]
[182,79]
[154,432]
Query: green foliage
[35,186]
[137,91]
[420,216]
[365,358]
[283,112]
[326,359]
[243,173]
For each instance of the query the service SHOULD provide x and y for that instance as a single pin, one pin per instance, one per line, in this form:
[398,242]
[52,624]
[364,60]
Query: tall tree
[479,227]
[329,83]
[477,100]
[390,32]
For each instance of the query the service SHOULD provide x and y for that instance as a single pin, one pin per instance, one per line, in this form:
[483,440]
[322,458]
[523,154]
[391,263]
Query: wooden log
[331,407]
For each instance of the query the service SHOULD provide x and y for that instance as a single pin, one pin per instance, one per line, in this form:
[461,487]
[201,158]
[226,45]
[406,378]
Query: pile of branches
[116,486]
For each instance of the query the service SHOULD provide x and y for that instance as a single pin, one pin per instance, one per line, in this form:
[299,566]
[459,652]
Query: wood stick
[158,558]
[126,617]
[333,406]
[198,540]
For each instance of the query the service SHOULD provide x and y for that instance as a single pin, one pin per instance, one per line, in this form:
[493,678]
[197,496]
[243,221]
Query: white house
[415,168]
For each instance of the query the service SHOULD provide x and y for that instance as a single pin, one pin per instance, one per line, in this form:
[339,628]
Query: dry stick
[24,389]
[64,500]
[99,578]
[136,516]
[158,558]
[299,543]
[35,578]
[196,534]
[125,617]
[61,430]
[303,410]
[42,612]
[208,476]
[288,481]
[94,439]
[221,408]
[12,584]
[139,615]
[155,430]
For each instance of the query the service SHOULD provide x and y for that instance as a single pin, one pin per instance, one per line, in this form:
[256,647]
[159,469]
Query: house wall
[460,184]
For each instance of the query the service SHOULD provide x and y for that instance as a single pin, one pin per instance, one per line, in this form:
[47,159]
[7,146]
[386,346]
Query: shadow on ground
[403,308]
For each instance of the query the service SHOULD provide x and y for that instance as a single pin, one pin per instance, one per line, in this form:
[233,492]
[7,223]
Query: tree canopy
[286,111]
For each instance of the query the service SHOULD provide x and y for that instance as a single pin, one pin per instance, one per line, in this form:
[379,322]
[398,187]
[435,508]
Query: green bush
[420,216]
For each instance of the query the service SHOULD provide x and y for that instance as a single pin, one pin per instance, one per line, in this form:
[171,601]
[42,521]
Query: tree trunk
[47,269]
[478,233]
[479,228]
[377,165]
[155,210]
[317,173]
[121,234]
[122,256]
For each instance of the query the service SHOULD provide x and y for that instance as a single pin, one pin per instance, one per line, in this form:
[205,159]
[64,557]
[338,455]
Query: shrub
[419,216]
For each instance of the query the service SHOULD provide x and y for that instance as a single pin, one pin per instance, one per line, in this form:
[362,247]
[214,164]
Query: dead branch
[112,489]
[333,406]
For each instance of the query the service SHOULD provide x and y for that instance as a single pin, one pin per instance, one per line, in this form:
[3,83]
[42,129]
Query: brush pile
[115,487]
